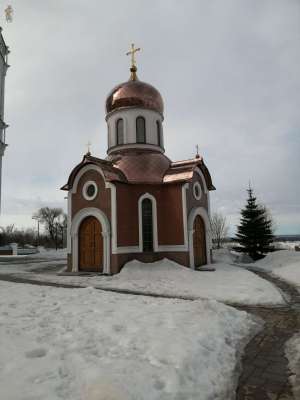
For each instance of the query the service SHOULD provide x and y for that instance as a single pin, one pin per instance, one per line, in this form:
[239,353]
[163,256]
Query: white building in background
[3,68]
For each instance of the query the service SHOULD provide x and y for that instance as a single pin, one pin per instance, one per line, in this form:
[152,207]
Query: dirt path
[265,369]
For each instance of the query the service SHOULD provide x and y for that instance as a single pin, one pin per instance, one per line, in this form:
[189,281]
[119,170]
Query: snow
[286,245]
[293,355]
[284,263]
[12,257]
[228,283]
[85,344]
[51,253]
[45,259]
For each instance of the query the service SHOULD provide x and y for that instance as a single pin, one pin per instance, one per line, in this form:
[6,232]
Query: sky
[228,71]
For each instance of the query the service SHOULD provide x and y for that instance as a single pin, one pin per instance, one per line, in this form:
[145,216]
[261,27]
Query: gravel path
[265,368]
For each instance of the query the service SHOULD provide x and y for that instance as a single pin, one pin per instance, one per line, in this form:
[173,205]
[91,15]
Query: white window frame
[197,185]
[84,190]
[154,221]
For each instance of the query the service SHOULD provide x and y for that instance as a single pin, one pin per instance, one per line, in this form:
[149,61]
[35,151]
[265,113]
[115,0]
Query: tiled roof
[111,173]
[181,171]
[144,168]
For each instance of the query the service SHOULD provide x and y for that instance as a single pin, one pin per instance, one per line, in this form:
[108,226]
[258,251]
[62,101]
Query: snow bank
[286,245]
[223,256]
[293,355]
[285,264]
[278,259]
[228,283]
[84,344]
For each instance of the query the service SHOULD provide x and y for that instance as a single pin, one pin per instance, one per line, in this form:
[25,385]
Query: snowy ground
[85,344]
[284,263]
[51,253]
[45,260]
[293,355]
[43,253]
[228,283]
[286,245]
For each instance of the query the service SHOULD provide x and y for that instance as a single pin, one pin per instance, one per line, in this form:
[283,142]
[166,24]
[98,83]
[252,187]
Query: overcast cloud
[228,72]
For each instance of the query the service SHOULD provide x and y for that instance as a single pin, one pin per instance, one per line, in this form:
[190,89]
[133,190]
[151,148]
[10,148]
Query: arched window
[158,132]
[147,224]
[120,131]
[140,130]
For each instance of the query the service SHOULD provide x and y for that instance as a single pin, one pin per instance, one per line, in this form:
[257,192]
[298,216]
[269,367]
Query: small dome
[135,93]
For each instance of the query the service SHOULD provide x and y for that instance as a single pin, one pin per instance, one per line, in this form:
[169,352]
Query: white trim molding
[206,191]
[204,215]
[101,217]
[196,186]
[154,221]
[82,171]
[85,188]
[148,146]
[200,173]
[69,219]
[113,205]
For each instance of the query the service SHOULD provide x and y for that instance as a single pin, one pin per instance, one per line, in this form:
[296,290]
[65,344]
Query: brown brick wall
[127,215]
[102,200]
[169,213]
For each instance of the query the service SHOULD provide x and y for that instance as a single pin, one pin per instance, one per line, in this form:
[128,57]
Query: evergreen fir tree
[254,234]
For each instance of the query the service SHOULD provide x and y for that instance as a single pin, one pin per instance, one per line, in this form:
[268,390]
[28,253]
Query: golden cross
[88,147]
[132,53]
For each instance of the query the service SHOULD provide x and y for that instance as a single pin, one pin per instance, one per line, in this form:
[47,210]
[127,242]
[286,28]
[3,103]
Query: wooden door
[199,242]
[90,245]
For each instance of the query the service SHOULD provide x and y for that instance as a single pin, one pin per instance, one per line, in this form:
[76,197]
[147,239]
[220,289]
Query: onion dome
[134,93]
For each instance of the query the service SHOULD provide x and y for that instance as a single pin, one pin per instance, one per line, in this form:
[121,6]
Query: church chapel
[137,203]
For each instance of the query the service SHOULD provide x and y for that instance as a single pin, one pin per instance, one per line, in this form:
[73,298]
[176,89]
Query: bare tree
[269,217]
[6,234]
[54,220]
[219,229]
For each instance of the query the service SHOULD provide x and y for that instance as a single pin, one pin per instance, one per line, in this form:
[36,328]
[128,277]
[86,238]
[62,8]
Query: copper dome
[134,93]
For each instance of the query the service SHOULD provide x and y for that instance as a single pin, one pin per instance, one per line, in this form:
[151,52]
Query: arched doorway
[199,242]
[90,247]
